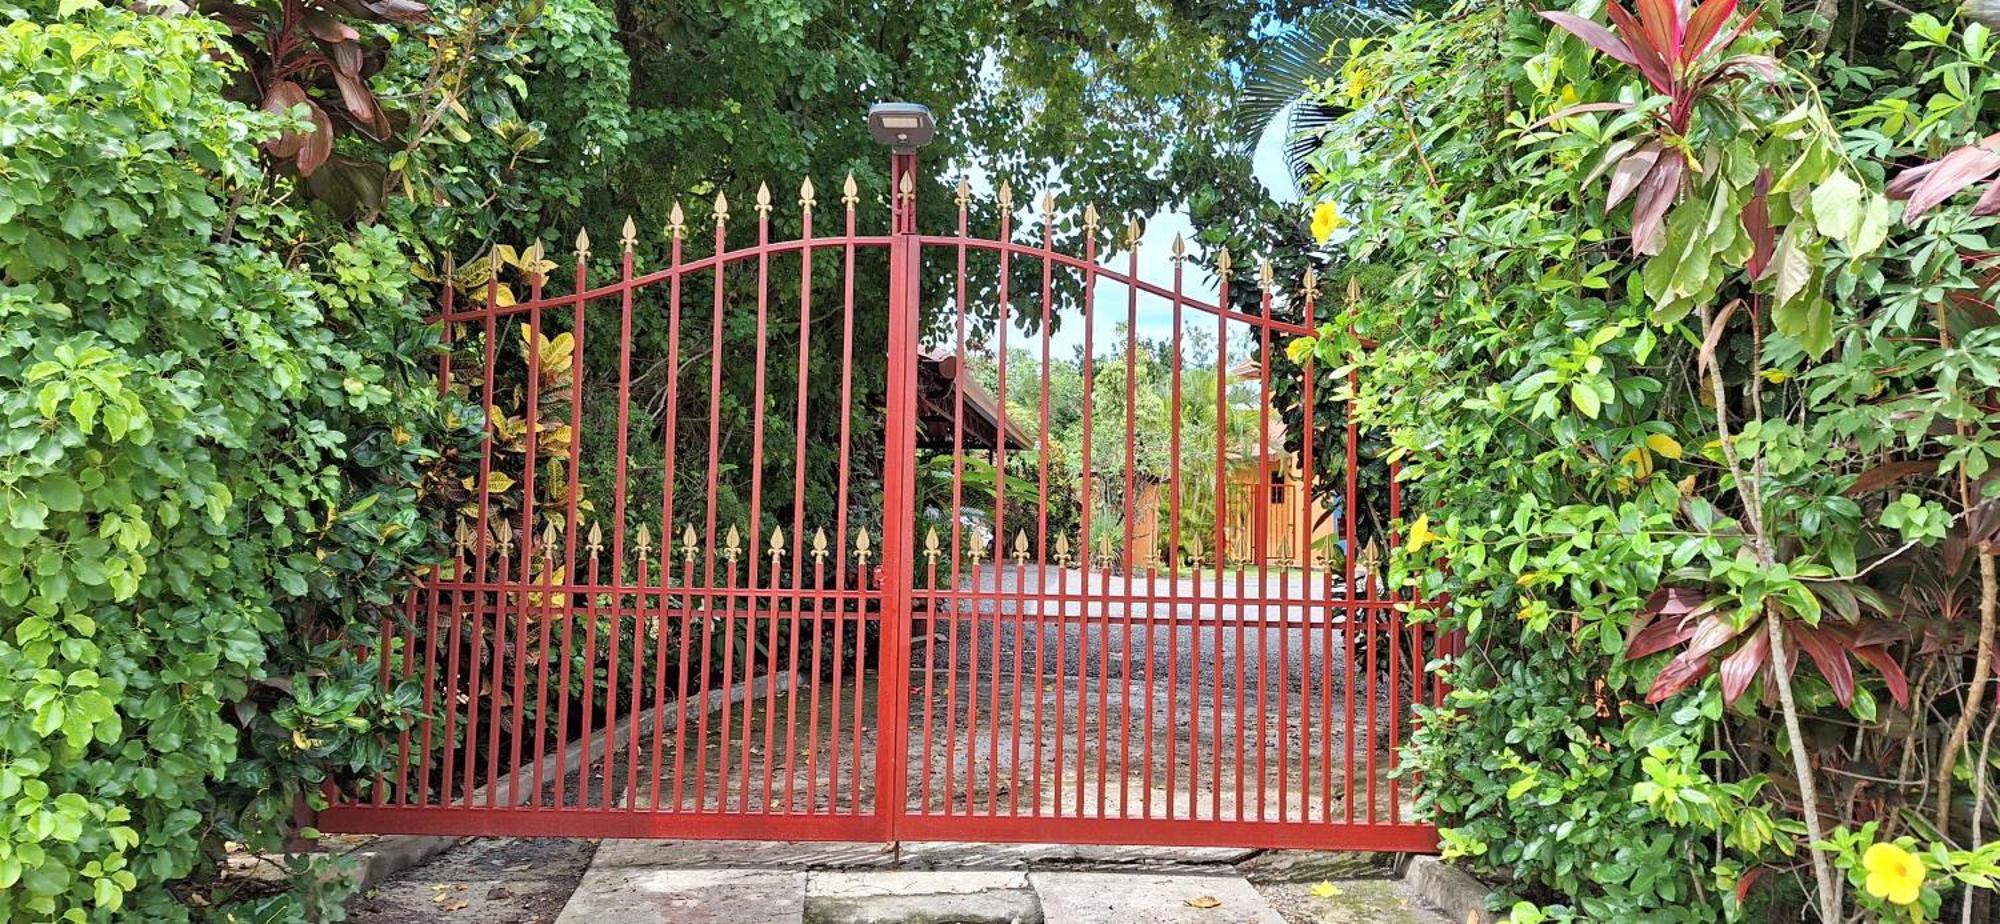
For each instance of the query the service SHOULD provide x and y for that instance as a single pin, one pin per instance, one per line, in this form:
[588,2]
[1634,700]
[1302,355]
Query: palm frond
[1295,63]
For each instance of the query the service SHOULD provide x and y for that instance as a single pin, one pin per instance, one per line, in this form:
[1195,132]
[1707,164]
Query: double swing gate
[797,539]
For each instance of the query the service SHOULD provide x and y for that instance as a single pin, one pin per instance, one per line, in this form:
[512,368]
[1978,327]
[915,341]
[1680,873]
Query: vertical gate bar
[688,623]
[1347,504]
[642,580]
[528,539]
[433,602]
[402,794]
[1086,515]
[668,481]
[723,739]
[1242,648]
[1392,636]
[708,529]
[999,524]
[1260,525]
[957,535]
[1174,621]
[485,534]
[1131,515]
[448,328]
[1040,600]
[620,459]
[854,719]
[570,531]
[899,483]
[644,620]
[799,491]
[1315,593]
[847,200]
[777,554]
[930,662]
[818,653]
[756,538]
[500,607]
[1222,270]
[1301,510]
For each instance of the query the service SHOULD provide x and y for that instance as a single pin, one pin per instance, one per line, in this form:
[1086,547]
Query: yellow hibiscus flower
[1326,220]
[1894,874]
[1420,534]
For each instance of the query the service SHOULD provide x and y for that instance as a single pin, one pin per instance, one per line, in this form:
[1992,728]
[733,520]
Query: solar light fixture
[904,127]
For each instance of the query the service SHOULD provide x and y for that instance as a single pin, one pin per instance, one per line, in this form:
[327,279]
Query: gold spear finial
[1266,277]
[1312,282]
[721,208]
[861,552]
[549,539]
[1180,248]
[977,553]
[763,199]
[906,188]
[1062,550]
[732,544]
[1048,205]
[806,199]
[644,542]
[582,243]
[1090,217]
[503,536]
[849,193]
[931,546]
[594,543]
[1222,264]
[819,548]
[964,191]
[1132,232]
[777,543]
[1020,547]
[1006,196]
[628,235]
[533,259]
[687,545]
[676,221]
[493,259]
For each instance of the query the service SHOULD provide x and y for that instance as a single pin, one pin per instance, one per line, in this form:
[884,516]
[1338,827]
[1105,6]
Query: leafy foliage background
[1716,516]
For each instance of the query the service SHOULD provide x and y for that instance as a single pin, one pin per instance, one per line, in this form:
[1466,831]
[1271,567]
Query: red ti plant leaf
[1892,673]
[1743,665]
[278,100]
[1989,203]
[1633,168]
[1828,647]
[1656,195]
[1757,223]
[1594,35]
[1702,25]
[1652,58]
[319,144]
[1692,665]
[1951,173]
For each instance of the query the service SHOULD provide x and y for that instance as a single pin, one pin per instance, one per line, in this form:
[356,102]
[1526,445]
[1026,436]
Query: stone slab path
[669,882]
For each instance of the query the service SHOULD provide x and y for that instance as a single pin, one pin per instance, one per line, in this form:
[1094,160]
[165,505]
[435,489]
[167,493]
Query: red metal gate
[792,594]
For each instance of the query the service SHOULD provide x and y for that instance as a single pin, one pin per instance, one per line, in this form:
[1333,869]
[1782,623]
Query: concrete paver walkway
[657,882]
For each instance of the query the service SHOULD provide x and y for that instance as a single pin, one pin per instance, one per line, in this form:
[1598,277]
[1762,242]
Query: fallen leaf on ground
[1204,901]
[1326,890]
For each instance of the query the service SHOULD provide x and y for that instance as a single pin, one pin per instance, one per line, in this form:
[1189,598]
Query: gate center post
[903,127]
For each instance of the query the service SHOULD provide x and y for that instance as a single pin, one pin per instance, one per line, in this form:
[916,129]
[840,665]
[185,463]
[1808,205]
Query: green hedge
[218,418]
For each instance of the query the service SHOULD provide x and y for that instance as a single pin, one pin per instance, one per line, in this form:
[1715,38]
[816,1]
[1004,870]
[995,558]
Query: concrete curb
[1448,889]
[389,854]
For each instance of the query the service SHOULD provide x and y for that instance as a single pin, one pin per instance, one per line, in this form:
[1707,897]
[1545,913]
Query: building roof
[941,380]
